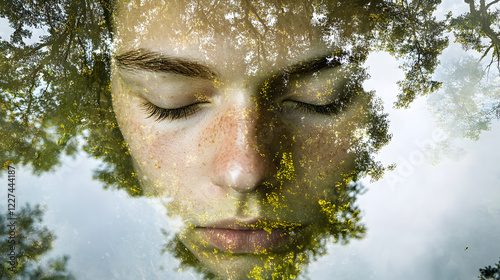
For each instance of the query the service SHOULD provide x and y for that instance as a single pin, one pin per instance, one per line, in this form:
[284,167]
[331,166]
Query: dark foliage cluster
[30,242]
[490,272]
[56,91]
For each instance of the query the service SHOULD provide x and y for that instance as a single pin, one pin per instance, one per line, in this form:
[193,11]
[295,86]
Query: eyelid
[333,108]
[161,114]
[305,95]
[311,108]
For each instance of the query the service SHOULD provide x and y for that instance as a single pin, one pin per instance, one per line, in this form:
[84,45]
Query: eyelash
[329,109]
[161,114]
[337,106]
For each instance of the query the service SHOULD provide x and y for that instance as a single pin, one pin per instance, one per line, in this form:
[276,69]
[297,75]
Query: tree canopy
[490,272]
[56,96]
[58,87]
[31,242]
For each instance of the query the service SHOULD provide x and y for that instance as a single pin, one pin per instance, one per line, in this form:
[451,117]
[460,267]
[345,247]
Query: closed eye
[161,114]
[330,109]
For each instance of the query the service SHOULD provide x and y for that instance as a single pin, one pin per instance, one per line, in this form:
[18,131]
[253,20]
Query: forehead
[246,36]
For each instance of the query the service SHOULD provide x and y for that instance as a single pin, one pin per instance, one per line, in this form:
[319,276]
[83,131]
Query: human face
[247,128]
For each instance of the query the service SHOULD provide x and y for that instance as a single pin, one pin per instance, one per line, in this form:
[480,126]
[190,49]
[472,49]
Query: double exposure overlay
[248,120]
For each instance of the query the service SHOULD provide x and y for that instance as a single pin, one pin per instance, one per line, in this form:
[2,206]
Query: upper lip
[253,224]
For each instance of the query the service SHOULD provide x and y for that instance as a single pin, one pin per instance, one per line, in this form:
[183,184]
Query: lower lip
[246,241]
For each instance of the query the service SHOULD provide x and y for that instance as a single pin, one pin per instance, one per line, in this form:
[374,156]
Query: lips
[247,238]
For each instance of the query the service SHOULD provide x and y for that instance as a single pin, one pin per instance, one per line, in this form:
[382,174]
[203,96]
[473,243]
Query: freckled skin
[224,161]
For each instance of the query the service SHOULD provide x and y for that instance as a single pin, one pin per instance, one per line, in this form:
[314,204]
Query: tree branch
[485,24]
[494,2]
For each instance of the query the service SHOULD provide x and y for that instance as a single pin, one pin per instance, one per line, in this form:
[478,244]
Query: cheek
[165,150]
[177,166]
[154,152]
[323,153]
[163,159]
[322,161]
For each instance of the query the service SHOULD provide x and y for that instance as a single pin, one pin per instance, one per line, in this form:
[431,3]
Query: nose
[244,158]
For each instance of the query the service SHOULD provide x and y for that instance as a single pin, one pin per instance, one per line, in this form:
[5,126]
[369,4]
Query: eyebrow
[331,60]
[315,65]
[141,59]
